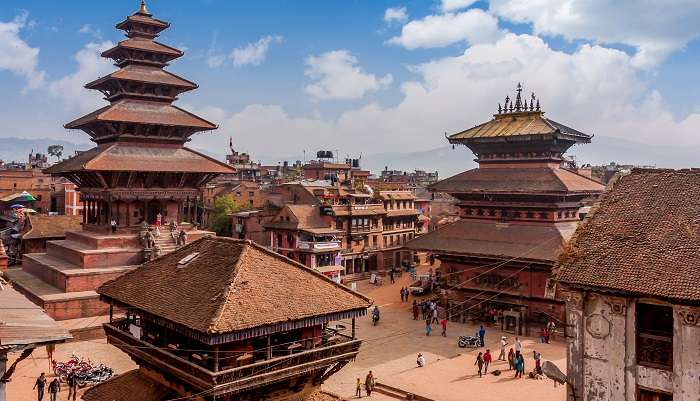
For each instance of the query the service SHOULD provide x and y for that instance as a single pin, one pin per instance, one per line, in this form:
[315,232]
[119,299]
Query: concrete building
[630,277]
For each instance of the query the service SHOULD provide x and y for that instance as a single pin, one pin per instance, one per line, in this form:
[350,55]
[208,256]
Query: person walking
[415,310]
[518,345]
[435,315]
[401,293]
[551,326]
[54,389]
[39,386]
[502,355]
[113,224]
[427,327]
[511,359]
[443,323]
[479,362]
[369,383]
[358,389]
[487,360]
[391,276]
[482,333]
[519,365]
[72,385]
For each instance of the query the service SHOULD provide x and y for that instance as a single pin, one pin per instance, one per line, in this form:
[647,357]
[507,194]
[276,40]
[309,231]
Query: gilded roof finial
[143,9]
[532,101]
[525,105]
[538,105]
[499,108]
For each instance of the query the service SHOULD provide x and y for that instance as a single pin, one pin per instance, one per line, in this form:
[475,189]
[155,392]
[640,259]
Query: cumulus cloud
[16,55]
[595,89]
[453,5]
[395,14]
[337,75]
[90,67]
[655,28]
[471,26]
[90,30]
[253,53]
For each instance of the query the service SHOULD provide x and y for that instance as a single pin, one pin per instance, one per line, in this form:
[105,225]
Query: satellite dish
[553,372]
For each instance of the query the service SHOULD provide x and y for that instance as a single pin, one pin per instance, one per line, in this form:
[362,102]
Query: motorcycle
[468,341]
[375,319]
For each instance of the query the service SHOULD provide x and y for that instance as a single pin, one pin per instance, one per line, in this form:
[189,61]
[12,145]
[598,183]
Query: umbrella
[16,206]
[30,211]
[27,196]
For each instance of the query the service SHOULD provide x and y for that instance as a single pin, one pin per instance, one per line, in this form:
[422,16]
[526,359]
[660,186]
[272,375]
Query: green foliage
[220,220]
[55,151]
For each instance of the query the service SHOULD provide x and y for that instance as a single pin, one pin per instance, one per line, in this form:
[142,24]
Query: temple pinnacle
[143,9]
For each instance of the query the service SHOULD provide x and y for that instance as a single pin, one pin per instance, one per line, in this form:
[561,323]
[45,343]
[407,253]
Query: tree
[220,220]
[56,151]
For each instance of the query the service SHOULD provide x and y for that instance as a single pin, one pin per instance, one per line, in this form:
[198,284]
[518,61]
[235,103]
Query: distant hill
[18,149]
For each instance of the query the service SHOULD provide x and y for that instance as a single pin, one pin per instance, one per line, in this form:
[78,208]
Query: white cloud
[337,75]
[395,14]
[90,67]
[594,89]
[253,53]
[656,28]
[216,60]
[16,55]
[471,26]
[90,30]
[454,5]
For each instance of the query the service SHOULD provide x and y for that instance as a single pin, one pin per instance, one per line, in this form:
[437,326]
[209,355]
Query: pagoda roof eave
[120,156]
[126,75]
[145,45]
[141,19]
[121,111]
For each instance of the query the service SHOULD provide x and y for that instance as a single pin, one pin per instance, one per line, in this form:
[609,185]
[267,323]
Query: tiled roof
[137,157]
[145,73]
[518,180]
[42,226]
[518,124]
[125,386]
[395,195]
[302,217]
[232,285]
[527,241]
[144,112]
[642,237]
[143,19]
[143,44]
[23,323]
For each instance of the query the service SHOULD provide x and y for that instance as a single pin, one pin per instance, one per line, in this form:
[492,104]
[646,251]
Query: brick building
[517,209]
[225,319]
[629,277]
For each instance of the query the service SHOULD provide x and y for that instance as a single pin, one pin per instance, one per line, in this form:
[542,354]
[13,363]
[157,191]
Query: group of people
[547,332]
[404,294]
[55,387]
[515,358]
[369,385]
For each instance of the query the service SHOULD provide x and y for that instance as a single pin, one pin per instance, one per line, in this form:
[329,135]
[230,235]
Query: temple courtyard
[389,351]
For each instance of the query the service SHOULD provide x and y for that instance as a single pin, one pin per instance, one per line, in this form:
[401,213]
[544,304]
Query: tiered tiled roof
[232,286]
[642,238]
[522,180]
[133,157]
[524,241]
[125,386]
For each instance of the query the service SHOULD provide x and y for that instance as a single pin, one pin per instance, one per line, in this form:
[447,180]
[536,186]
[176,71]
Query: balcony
[318,246]
[234,380]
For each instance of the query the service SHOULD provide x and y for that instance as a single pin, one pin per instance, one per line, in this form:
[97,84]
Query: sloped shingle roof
[643,237]
[232,285]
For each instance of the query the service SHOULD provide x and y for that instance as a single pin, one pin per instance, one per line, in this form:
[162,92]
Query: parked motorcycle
[468,341]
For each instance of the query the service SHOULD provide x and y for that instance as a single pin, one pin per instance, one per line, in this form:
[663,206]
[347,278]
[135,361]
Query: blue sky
[370,76]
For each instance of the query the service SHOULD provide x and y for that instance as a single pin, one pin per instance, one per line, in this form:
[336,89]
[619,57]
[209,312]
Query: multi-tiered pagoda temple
[139,172]
[517,211]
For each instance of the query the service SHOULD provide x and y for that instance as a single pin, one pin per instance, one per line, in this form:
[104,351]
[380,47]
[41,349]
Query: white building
[631,281]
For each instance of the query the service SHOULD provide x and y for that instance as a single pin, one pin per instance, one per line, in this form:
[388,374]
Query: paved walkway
[390,350]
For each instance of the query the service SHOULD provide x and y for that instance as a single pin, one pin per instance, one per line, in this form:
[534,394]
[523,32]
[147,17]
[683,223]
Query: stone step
[98,240]
[85,256]
[57,304]
[67,276]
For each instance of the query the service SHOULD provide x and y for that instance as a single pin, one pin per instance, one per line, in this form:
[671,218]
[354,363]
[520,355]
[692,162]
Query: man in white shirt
[420,361]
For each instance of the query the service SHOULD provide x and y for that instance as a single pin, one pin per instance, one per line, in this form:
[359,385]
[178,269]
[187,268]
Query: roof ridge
[231,285]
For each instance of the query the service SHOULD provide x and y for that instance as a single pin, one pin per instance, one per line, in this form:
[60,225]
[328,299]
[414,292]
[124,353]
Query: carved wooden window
[655,336]
[648,395]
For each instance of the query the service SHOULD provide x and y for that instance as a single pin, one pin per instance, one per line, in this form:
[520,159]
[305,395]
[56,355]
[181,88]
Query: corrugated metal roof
[517,124]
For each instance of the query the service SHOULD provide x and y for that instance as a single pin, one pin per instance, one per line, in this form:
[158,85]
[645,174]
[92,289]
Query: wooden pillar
[111,312]
[146,212]
[216,358]
[269,346]
[84,214]
[128,213]
[353,328]
[109,209]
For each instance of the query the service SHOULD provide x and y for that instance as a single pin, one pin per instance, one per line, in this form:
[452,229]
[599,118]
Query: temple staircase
[166,243]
